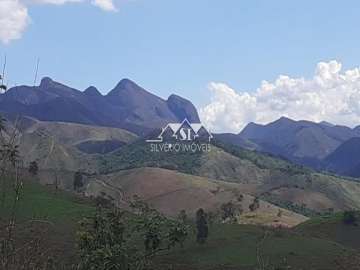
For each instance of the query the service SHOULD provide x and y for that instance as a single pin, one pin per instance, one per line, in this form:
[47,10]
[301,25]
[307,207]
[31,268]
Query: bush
[349,217]
[78,180]
[33,168]
[255,205]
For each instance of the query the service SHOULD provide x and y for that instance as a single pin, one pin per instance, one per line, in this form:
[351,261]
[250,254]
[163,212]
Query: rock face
[183,108]
[127,105]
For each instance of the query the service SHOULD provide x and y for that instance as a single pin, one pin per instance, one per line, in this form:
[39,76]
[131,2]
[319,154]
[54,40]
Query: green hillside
[333,228]
[276,180]
[240,247]
[41,202]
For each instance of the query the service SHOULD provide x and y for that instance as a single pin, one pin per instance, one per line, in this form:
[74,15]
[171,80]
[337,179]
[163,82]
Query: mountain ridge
[127,105]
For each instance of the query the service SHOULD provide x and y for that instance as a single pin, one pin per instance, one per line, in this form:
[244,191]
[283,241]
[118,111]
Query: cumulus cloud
[106,5]
[331,95]
[14,17]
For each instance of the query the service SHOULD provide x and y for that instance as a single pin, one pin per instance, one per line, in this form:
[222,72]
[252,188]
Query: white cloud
[106,5]
[14,19]
[55,2]
[331,95]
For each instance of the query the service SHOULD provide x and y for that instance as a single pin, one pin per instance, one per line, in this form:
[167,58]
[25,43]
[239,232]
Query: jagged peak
[92,91]
[126,84]
[130,88]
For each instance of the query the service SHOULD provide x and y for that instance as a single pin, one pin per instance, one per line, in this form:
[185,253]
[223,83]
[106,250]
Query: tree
[228,212]
[254,205]
[33,168]
[201,226]
[183,216]
[2,85]
[78,180]
[29,253]
[110,239]
[240,198]
[212,217]
[349,217]
[56,180]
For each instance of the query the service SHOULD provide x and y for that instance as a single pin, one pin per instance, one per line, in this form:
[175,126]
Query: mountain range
[321,146]
[103,136]
[126,106]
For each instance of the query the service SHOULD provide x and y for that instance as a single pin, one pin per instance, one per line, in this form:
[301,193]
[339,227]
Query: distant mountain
[304,142]
[345,159]
[126,106]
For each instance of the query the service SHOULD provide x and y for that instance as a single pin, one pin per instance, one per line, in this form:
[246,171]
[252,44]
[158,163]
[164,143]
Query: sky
[237,61]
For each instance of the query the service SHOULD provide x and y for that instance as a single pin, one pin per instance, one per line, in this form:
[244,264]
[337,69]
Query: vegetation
[183,216]
[78,181]
[254,205]
[300,209]
[33,168]
[12,254]
[349,217]
[229,212]
[201,226]
[118,240]
[139,154]
[2,85]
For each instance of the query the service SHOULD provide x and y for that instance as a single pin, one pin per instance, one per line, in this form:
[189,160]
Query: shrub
[349,217]
[33,168]
[255,205]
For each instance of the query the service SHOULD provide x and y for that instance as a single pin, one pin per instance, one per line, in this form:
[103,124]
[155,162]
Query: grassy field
[235,247]
[41,202]
[50,215]
[333,228]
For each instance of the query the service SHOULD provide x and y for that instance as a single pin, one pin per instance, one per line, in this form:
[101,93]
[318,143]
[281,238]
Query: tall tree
[201,226]
[78,180]
[33,168]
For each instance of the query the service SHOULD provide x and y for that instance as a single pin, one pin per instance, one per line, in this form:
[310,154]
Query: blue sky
[181,46]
